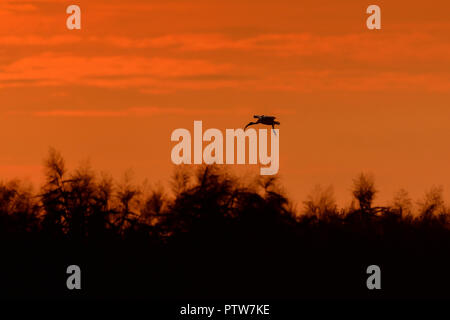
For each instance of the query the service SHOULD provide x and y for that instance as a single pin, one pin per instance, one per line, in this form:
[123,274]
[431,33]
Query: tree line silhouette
[214,235]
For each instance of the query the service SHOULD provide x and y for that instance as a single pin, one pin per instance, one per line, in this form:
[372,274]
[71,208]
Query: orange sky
[348,99]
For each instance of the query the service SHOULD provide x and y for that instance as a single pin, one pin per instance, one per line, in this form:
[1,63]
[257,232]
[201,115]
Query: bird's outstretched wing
[249,124]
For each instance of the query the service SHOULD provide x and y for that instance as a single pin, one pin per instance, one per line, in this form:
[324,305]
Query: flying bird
[267,120]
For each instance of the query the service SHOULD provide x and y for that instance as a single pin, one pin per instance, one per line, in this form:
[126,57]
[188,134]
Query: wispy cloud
[164,75]
[127,112]
[391,48]
[330,80]
[116,71]
[362,46]
[34,40]
[16,6]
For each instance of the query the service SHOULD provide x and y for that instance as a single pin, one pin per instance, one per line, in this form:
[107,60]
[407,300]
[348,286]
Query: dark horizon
[245,236]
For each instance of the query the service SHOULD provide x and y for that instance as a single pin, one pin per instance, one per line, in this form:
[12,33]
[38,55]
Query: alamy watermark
[213,153]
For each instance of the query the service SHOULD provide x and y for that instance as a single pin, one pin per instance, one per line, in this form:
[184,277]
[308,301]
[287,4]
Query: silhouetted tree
[321,202]
[364,191]
[402,203]
[432,208]
[19,209]
[54,195]
[127,215]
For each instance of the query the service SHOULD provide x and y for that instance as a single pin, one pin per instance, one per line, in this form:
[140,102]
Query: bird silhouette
[267,120]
